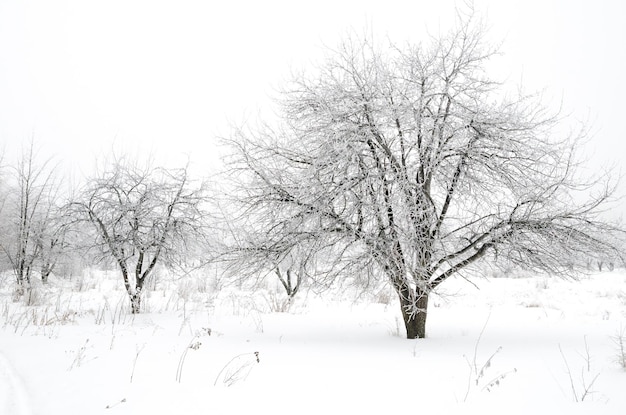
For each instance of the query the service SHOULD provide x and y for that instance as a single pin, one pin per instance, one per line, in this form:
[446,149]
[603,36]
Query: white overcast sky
[85,76]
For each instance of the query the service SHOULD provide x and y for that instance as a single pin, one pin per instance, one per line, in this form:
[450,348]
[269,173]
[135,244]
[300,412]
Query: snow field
[517,345]
[13,397]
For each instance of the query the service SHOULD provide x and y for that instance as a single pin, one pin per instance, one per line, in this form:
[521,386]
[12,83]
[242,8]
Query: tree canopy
[409,162]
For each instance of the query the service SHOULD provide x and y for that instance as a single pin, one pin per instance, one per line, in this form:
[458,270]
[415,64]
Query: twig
[139,350]
[115,404]
[569,373]
[587,389]
[233,377]
[480,335]
[192,345]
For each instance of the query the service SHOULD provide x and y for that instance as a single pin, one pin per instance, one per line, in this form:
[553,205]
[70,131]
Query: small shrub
[33,296]
[80,356]
[276,304]
[384,297]
[583,388]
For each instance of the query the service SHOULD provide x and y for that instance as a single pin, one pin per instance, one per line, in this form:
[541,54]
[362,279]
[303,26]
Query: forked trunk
[134,293]
[414,311]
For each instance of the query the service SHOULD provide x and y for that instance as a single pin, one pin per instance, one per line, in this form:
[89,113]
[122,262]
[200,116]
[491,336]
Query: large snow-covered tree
[411,163]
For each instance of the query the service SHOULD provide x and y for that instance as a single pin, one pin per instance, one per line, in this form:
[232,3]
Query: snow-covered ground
[515,345]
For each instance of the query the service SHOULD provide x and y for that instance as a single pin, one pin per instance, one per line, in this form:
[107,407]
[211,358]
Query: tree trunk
[46,270]
[414,312]
[134,293]
[135,298]
[135,302]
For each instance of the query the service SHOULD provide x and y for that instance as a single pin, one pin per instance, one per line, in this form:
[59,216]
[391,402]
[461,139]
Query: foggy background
[166,77]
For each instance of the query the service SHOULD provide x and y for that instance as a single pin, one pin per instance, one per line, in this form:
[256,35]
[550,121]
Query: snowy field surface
[524,345]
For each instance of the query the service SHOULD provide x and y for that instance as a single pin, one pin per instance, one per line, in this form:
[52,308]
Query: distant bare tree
[251,255]
[142,216]
[411,164]
[30,213]
[52,238]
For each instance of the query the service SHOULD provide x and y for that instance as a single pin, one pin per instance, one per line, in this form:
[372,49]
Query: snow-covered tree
[410,163]
[32,221]
[142,216]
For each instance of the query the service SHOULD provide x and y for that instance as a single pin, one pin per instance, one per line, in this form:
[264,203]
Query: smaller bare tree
[291,282]
[142,216]
[252,256]
[31,212]
[52,242]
